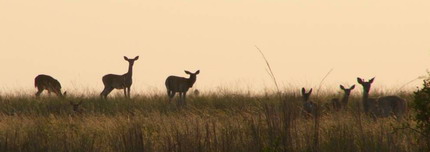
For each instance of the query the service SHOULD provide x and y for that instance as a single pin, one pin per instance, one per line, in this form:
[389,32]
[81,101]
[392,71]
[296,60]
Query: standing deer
[342,104]
[113,81]
[383,106]
[308,106]
[46,82]
[180,84]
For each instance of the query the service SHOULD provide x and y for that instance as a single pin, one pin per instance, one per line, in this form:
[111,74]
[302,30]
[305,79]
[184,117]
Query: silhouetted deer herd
[378,107]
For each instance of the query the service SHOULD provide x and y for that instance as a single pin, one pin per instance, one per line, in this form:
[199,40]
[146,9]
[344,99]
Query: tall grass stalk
[269,71]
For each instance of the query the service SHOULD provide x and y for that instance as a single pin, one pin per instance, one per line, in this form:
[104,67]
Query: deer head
[366,85]
[193,77]
[347,91]
[306,95]
[131,61]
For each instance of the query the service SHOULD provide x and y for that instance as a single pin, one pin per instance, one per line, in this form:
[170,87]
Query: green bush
[421,105]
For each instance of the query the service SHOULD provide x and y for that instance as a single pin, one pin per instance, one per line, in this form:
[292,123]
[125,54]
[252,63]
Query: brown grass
[210,122]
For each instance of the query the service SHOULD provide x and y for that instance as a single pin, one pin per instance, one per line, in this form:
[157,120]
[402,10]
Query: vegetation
[210,122]
[421,105]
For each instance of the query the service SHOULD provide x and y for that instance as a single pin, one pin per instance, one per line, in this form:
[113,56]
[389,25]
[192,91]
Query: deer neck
[130,70]
[365,100]
[191,81]
[305,99]
[365,96]
[345,98]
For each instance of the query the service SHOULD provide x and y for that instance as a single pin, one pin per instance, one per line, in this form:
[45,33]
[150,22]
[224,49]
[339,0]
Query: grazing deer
[113,81]
[46,82]
[308,106]
[180,84]
[342,104]
[383,106]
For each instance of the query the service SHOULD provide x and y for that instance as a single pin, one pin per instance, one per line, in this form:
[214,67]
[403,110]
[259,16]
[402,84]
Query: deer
[113,81]
[45,82]
[196,92]
[383,106]
[342,104]
[76,106]
[181,85]
[308,105]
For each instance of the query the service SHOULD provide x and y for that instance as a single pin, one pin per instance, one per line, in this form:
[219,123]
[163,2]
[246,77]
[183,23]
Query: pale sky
[79,41]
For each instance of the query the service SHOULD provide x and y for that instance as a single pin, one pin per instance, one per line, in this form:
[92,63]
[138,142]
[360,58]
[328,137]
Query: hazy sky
[79,41]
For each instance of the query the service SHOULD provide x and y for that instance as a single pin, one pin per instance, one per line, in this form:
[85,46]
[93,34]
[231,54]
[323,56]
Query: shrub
[421,104]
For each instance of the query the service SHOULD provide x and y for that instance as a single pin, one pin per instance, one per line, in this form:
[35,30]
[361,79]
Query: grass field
[210,122]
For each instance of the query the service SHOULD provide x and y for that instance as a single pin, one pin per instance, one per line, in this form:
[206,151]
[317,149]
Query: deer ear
[125,58]
[341,87]
[187,72]
[310,91]
[303,91]
[359,80]
[371,80]
[137,57]
[197,72]
[352,87]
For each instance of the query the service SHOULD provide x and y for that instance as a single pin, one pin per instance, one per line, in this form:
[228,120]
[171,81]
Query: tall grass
[210,122]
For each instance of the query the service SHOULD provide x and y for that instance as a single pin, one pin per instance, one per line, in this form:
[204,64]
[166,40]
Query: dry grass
[210,122]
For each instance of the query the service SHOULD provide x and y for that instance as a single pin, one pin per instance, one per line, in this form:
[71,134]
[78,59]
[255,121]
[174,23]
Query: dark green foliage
[421,105]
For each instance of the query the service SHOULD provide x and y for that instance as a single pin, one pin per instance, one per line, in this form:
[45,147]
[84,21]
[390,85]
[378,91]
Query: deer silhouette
[46,82]
[76,106]
[342,104]
[382,106]
[308,105]
[113,81]
[181,85]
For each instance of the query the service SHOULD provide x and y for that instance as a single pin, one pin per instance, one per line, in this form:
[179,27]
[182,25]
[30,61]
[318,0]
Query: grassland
[222,121]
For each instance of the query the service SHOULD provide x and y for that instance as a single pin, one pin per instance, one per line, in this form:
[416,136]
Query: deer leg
[180,99]
[168,94]
[102,94]
[129,90]
[171,95]
[39,91]
[184,96]
[106,91]
[125,92]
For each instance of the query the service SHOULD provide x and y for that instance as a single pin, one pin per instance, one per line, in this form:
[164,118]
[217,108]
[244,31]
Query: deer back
[177,84]
[114,81]
[47,82]
[391,105]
